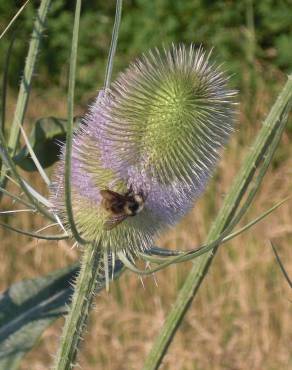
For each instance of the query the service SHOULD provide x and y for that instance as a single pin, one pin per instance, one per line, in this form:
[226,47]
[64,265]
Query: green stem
[250,51]
[25,86]
[232,200]
[92,264]
[114,41]
[4,86]
[69,135]
[86,285]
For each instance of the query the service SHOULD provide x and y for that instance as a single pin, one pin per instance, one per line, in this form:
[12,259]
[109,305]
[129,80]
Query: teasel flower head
[158,131]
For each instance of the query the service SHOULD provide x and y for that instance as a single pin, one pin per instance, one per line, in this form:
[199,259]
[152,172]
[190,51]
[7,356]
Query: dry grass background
[241,318]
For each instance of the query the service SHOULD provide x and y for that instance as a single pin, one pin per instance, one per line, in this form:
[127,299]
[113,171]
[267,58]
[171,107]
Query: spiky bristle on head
[159,130]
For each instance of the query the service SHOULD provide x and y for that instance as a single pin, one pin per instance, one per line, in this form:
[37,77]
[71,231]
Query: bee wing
[111,195]
[113,221]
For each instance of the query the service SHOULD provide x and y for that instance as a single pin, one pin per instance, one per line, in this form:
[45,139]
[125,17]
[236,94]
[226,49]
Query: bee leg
[130,191]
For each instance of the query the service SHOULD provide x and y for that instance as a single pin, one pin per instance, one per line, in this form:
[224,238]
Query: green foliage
[147,24]
[27,308]
[46,137]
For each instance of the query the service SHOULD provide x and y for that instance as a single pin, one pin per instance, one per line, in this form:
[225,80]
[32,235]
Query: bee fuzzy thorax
[120,206]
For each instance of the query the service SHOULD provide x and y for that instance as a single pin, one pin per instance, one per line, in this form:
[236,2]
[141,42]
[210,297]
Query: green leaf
[45,139]
[27,308]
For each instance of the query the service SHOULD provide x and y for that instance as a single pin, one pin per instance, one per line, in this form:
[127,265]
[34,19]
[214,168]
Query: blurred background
[241,318]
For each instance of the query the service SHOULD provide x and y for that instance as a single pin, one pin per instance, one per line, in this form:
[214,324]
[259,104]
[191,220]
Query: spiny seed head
[158,131]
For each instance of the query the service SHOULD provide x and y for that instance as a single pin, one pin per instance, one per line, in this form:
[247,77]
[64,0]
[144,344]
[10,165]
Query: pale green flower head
[157,133]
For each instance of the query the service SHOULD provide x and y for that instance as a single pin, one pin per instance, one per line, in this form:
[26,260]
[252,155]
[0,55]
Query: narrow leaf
[286,276]
[113,46]
[13,19]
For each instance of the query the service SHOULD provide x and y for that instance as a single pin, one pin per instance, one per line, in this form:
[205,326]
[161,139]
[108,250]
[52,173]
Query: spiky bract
[159,129]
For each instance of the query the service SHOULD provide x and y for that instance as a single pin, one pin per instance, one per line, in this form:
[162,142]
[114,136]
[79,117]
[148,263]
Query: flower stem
[274,123]
[69,134]
[86,285]
[114,41]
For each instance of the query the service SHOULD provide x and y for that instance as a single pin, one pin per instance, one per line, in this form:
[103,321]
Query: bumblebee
[121,206]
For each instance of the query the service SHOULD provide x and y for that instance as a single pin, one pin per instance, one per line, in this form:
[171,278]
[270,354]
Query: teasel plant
[133,167]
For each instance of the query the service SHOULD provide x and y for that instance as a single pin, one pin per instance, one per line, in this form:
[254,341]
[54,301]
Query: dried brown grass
[241,318]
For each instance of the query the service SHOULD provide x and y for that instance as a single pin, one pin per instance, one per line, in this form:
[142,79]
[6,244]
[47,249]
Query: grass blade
[286,276]
[13,19]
